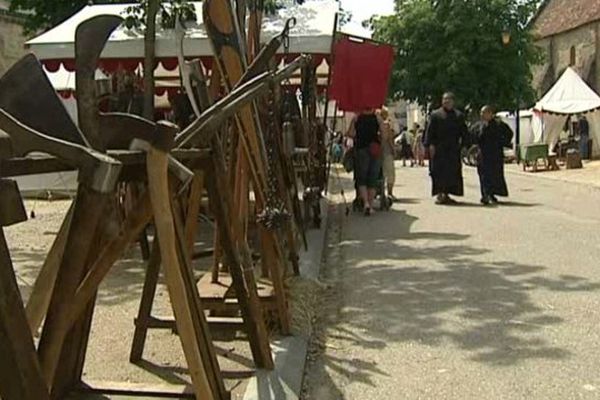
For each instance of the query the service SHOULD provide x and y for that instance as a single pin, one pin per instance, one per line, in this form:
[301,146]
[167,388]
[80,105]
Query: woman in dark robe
[443,138]
[492,136]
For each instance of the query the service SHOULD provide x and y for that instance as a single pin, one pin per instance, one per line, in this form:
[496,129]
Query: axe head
[6,150]
[11,205]
[90,38]
[27,94]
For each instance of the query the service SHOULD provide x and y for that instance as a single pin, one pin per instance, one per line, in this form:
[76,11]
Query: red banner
[361,74]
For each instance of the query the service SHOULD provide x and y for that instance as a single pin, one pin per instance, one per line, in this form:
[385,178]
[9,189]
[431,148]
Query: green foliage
[457,45]
[41,15]
[167,12]
[270,7]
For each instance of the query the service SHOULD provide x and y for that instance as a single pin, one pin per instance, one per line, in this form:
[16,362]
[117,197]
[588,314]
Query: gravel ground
[117,306]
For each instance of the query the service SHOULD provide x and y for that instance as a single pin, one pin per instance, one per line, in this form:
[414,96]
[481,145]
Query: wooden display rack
[109,149]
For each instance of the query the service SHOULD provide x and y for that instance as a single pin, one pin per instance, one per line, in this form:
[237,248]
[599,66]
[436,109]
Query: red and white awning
[125,48]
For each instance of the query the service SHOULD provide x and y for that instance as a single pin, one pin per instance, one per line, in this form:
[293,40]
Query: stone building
[568,31]
[11,37]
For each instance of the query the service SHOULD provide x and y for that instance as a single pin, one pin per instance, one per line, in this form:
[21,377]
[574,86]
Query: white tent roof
[569,95]
[312,33]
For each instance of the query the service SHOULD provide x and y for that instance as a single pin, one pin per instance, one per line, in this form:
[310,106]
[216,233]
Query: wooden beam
[137,219]
[142,322]
[39,300]
[20,372]
[88,209]
[193,209]
[137,389]
[176,275]
[246,292]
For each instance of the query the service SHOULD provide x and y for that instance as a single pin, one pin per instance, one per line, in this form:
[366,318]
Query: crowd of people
[371,145]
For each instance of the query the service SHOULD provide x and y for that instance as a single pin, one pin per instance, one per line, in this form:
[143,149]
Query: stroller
[385,201]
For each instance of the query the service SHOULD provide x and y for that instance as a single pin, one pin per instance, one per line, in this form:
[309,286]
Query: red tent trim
[111,65]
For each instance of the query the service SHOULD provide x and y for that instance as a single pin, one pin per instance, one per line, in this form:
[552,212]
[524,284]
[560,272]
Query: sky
[362,10]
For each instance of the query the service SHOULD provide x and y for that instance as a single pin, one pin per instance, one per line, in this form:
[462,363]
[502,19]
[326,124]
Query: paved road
[465,302]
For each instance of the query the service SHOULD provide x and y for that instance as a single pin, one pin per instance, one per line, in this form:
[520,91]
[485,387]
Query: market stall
[569,97]
[312,35]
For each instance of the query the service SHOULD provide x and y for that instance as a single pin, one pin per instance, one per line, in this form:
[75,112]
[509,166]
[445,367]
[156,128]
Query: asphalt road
[464,302]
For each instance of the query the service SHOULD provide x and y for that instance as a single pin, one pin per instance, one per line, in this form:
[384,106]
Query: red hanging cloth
[361,74]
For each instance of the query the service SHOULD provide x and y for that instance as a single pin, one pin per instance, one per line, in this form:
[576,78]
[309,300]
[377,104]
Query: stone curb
[284,382]
[550,177]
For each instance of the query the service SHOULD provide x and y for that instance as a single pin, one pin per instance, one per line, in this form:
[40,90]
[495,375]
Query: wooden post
[20,372]
[181,287]
[145,310]
[39,299]
[88,209]
[193,210]
[219,21]
[240,268]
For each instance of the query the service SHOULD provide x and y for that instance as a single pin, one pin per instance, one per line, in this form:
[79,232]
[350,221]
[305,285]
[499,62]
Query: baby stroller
[385,201]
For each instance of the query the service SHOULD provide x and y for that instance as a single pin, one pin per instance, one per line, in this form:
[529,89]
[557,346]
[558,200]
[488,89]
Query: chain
[275,215]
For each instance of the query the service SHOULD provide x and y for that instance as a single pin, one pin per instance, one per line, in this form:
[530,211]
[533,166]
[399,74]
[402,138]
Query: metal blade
[27,94]
[90,38]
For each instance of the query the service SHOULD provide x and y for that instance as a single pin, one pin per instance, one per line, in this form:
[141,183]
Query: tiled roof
[556,16]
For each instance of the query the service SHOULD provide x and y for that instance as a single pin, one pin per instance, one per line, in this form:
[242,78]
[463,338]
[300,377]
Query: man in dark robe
[584,136]
[492,136]
[443,138]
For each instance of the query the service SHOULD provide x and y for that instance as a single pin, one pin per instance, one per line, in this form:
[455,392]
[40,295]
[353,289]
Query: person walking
[406,152]
[443,139]
[492,136]
[417,146]
[388,152]
[366,129]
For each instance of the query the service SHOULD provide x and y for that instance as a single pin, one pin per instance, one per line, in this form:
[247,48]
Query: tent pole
[330,71]
[518,135]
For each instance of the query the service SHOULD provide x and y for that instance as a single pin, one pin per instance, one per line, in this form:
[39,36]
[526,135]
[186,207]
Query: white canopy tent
[312,34]
[570,95]
[545,121]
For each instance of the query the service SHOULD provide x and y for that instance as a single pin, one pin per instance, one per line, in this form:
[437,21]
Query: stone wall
[586,42]
[11,42]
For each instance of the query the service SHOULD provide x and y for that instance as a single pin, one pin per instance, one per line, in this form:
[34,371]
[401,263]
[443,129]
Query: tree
[457,46]
[144,15]
[271,6]
[40,15]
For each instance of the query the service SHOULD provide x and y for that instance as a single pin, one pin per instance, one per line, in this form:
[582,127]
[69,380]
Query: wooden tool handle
[158,183]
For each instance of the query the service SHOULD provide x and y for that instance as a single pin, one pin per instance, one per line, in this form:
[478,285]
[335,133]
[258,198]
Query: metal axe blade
[27,94]
[90,39]
[11,205]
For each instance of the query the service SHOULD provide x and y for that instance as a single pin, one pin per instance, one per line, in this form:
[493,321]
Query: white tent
[570,95]
[312,33]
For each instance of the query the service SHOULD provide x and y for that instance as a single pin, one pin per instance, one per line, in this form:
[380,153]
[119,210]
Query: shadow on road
[484,308]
